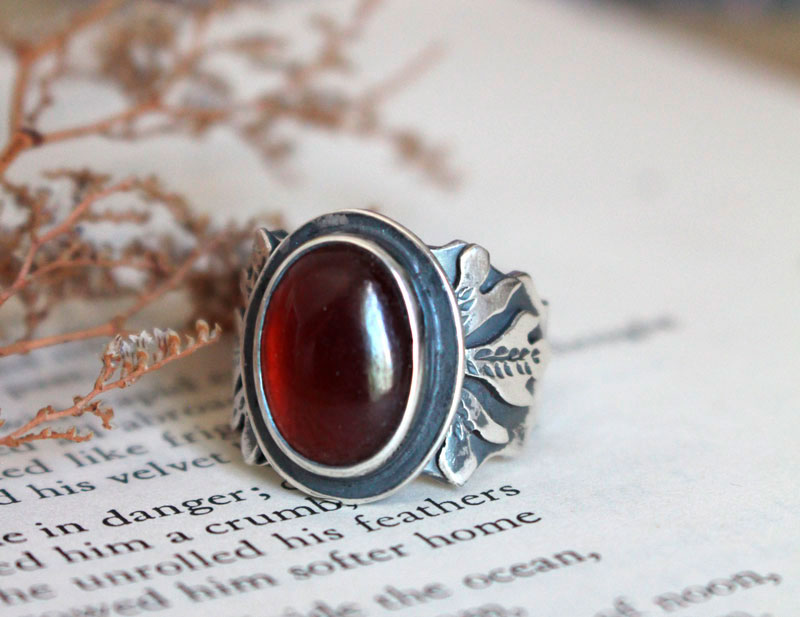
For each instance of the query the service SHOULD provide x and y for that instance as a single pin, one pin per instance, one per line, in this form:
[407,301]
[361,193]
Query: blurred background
[767,31]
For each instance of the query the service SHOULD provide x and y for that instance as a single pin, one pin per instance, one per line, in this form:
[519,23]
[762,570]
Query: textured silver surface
[506,352]
[500,350]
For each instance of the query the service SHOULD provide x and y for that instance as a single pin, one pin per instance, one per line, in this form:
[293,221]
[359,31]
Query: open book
[651,189]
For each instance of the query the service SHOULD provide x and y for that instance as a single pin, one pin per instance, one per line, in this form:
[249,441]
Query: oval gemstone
[336,354]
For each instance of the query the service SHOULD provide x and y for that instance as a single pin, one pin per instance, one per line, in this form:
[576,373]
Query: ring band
[366,357]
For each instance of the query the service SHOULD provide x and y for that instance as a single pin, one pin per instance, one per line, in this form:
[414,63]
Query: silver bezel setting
[412,310]
[480,350]
[438,362]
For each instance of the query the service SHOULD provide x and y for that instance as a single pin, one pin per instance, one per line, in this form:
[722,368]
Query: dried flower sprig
[174,86]
[126,359]
[55,259]
[159,59]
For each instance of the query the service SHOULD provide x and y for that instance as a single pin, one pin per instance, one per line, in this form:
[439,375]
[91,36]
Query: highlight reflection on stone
[336,354]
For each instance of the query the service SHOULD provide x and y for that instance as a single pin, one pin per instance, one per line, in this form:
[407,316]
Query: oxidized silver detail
[504,355]
[263,244]
[509,363]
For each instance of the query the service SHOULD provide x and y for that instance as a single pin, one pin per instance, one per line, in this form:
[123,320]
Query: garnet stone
[336,354]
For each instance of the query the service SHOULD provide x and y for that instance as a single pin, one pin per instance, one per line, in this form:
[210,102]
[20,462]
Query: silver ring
[366,357]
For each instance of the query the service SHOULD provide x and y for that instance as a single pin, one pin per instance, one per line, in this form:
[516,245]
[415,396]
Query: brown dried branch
[159,60]
[68,224]
[133,44]
[117,323]
[28,54]
[125,361]
[61,256]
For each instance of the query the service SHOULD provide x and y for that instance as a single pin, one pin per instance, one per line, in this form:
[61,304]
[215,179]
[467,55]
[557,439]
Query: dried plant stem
[29,54]
[19,141]
[116,359]
[158,58]
[49,414]
[68,262]
[187,61]
[109,328]
[399,80]
[174,280]
[64,226]
[103,125]
[116,324]
[21,138]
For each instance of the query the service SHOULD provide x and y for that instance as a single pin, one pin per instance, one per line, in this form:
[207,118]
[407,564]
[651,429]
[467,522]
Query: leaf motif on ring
[475,305]
[264,243]
[479,421]
[457,459]
[510,363]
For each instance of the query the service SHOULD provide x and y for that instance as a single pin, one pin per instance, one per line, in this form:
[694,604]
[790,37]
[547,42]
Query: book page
[651,189]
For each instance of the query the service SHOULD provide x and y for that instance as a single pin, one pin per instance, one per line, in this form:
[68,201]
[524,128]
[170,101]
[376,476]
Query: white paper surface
[651,188]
